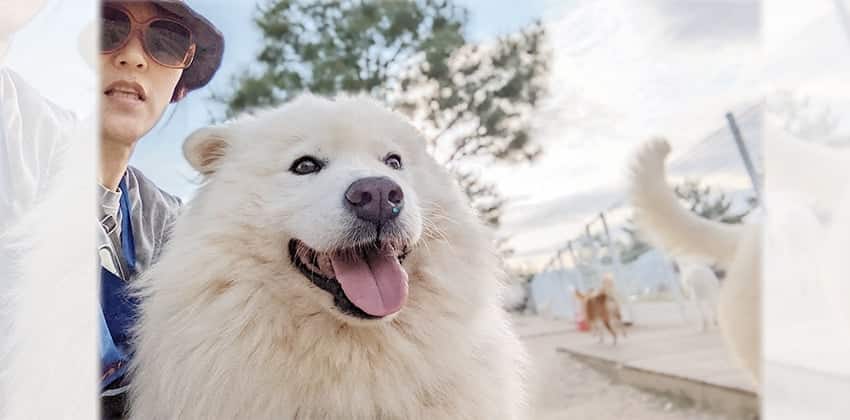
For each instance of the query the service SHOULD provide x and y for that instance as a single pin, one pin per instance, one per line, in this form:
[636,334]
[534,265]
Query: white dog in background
[737,248]
[327,269]
[703,289]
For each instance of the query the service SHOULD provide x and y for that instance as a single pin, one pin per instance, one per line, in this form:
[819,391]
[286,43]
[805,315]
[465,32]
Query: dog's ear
[204,148]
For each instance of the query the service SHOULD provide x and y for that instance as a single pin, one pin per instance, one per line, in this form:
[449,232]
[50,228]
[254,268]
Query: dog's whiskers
[436,211]
[433,230]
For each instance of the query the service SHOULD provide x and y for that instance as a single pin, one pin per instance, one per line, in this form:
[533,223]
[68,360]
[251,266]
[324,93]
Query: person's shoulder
[150,191]
[158,208]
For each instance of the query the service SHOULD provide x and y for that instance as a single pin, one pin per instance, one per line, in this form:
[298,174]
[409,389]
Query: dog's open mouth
[365,281]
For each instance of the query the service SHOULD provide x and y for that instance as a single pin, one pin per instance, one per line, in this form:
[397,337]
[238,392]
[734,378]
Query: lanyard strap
[118,312]
[128,246]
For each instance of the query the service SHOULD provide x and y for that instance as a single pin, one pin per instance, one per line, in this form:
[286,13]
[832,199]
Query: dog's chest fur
[259,363]
[352,373]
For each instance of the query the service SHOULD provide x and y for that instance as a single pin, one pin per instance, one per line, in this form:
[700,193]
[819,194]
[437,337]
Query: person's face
[136,89]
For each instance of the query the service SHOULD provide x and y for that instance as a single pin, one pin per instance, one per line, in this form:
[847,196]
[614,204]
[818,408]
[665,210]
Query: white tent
[552,293]
[648,273]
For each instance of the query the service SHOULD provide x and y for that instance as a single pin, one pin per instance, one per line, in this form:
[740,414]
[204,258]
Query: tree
[635,246]
[473,102]
[708,205]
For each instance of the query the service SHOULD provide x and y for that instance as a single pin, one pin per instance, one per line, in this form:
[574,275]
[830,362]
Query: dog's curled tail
[664,221]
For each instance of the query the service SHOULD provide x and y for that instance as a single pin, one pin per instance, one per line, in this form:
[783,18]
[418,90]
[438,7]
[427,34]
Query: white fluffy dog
[703,288]
[48,334]
[328,268]
[735,247]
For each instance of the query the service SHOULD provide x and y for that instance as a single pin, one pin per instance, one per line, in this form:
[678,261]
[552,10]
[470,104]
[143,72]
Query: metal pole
[572,253]
[742,149]
[586,265]
[615,260]
[605,225]
[607,236]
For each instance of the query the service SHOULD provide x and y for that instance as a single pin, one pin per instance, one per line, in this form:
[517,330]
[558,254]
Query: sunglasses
[166,41]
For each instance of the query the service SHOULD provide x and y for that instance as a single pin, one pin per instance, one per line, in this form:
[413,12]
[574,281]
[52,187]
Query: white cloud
[710,21]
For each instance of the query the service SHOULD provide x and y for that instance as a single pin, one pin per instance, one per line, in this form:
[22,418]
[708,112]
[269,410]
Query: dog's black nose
[375,199]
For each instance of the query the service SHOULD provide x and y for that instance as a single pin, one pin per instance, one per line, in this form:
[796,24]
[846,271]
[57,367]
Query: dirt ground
[563,388]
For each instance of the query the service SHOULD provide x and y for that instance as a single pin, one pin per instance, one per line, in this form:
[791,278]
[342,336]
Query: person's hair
[180,90]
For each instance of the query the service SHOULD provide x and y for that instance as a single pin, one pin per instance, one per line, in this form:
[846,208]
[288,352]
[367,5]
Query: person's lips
[126,90]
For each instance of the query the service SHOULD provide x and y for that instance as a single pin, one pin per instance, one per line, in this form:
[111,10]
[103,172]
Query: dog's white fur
[735,247]
[48,295]
[229,329]
[703,288]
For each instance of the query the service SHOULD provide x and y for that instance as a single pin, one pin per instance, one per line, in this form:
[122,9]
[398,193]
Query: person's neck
[114,157]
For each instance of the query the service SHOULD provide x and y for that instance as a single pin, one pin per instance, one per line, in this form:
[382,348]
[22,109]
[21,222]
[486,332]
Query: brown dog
[600,307]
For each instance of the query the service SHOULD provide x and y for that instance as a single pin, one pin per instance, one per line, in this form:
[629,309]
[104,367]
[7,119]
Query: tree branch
[454,121]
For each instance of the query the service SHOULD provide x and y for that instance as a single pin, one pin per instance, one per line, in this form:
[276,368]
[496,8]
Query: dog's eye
[393,161]
[305,165]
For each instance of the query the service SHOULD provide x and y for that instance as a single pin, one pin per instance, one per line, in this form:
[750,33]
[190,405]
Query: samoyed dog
[328,268]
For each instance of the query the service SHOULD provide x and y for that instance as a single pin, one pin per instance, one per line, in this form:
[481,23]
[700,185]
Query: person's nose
[132,54]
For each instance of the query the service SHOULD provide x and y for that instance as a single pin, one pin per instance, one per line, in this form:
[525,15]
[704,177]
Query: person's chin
[121,127]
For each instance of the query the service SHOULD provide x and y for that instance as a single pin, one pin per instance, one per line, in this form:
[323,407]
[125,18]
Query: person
[152,53]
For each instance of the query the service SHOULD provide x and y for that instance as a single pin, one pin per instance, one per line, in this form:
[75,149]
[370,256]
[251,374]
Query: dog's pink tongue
[377,285]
